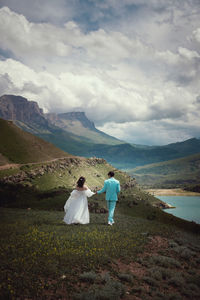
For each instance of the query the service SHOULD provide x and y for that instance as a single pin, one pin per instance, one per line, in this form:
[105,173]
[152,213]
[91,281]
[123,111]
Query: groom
[112,188]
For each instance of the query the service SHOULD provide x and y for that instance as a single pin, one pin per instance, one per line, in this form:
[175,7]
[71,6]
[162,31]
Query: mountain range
[74,133]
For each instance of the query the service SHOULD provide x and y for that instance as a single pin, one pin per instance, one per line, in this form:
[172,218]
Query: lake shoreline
[187,207]
[171,192]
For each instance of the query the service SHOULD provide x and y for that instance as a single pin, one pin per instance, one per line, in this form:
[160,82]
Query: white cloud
[196,34]
[27,39]
[129,80]
[101,95]
[154,132]
[186,53]
[48,11]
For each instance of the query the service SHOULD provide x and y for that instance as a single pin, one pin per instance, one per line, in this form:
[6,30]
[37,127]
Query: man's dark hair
[111,174]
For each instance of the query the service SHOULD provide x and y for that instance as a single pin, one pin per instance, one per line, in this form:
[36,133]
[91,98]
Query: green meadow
[43,258]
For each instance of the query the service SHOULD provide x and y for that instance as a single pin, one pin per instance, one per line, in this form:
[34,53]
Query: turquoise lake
[187,207]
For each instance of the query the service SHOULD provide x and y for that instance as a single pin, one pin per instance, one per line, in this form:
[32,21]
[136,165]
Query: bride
[76,207]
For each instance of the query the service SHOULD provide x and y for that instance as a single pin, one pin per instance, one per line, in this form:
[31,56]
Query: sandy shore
[171,192]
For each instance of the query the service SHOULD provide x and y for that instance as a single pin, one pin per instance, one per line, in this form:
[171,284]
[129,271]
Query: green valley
[74,133]
[172,173]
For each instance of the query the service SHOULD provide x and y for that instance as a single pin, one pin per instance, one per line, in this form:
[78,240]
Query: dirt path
[9,166]
[12,166]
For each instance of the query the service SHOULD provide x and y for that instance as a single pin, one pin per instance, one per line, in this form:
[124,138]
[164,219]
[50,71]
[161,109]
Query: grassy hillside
[174,172]
[60,175]
[18,146]
[3,160]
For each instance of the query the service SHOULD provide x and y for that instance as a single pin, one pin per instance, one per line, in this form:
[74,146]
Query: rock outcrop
[27,175]
[66,119]
[17,108]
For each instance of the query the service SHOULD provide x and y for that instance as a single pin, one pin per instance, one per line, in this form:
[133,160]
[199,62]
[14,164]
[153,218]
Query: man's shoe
[109,223]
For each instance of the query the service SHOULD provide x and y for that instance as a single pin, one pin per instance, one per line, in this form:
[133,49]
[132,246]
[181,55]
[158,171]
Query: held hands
[95,190]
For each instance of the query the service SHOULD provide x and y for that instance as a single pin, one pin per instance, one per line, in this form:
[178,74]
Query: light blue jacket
[112,188]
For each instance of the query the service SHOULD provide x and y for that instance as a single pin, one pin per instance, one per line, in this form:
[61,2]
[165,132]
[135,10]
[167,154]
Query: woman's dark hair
[81,182]
[111,174]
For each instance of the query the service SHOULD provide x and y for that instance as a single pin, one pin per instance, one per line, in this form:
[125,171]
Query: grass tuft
[177,281]
[151,281]
[112,290]
[164,261]
[125,277]
[89,276]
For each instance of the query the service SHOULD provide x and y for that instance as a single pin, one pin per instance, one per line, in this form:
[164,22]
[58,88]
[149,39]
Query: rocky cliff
[79,116]
[66,119]
[20,109]
[17,108]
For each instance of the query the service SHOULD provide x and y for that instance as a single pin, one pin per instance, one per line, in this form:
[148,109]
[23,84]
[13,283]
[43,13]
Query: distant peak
[18,99]
[13,98]
[73,114]
[18,108]
[78,116]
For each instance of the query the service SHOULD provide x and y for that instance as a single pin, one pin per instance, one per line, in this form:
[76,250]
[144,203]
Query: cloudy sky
[133,66]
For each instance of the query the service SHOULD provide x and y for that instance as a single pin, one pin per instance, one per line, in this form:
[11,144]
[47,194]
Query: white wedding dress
[76,207]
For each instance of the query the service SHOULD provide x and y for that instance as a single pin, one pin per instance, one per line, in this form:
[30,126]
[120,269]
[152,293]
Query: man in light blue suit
[112,188]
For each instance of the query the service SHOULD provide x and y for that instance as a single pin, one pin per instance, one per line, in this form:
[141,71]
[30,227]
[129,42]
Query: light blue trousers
[111,209]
